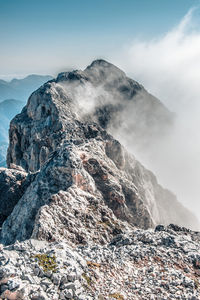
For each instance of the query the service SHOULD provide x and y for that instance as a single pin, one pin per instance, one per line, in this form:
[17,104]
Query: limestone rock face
[84,185]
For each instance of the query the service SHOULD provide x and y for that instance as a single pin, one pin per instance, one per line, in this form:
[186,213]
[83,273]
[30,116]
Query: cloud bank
[169,67]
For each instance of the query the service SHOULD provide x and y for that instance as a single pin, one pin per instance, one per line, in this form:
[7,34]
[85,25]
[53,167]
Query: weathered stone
[13,284]
[68,294]
[40,296]
[71,277]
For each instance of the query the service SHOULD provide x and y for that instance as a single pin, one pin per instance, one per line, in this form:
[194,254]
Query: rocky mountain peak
[80,180]
[71,76]
[54,109]
[102,71]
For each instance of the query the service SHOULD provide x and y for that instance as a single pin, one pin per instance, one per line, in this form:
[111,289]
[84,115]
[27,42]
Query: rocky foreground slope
[141,264]
[75,196]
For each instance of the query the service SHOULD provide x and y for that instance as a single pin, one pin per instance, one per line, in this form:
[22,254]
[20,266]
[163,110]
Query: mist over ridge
[168,66]
[57,118]
[147,129]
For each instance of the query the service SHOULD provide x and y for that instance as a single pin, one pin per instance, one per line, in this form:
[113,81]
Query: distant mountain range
[8,109]
[21,88]
[9,106]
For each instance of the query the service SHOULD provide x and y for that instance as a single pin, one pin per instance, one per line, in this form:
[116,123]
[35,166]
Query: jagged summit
[82,181]
[102,94]
[71,76]
[98,71]
[100,62]
[105,66]
[101,70]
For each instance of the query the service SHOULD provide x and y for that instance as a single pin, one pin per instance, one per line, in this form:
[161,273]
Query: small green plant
[117,296]
[47,262]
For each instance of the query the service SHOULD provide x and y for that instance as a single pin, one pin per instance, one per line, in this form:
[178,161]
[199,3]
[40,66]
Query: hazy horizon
[47,37]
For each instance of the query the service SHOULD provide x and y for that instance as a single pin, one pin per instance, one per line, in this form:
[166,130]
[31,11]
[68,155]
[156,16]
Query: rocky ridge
[76,196]
[73,155]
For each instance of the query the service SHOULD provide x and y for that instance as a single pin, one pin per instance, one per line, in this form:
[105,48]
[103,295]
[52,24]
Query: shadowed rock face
[87,186]
[12,186]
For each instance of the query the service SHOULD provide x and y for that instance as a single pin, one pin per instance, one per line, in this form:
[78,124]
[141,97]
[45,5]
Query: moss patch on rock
[47,262]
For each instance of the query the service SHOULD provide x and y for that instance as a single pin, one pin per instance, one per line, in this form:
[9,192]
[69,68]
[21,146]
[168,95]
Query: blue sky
[45,36]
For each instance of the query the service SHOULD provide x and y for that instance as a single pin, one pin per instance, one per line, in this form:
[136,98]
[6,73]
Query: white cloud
[169,67]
